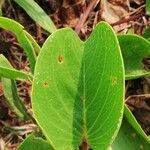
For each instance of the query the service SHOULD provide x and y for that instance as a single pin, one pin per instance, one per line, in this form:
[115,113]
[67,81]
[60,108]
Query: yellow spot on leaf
[45,84]
[60,59]
[114,81]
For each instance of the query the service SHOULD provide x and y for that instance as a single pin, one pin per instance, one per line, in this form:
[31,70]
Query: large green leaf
[134,50]
[33,142]
[129,139]
[78,89]
[6,70]
[37,14]
[18,30]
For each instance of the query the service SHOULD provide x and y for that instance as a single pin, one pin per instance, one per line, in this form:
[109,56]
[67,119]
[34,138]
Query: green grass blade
[37,14]
[7,71]
[18,30]
[36,47]
[14,101]
[148,7]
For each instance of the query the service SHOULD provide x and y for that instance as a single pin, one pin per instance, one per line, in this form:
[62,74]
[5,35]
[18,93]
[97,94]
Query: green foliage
[148,7]
[147,33]
[36,47]
[129,139]
[82,87]
[18,30]
[78,87]
[134,49]
[13,99]
[131,119]
[33,142]
[7,71]
[10,89]
[37,14]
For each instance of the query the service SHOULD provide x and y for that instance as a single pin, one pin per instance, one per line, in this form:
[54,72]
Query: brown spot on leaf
[45,84]
[114,81]
[60,59]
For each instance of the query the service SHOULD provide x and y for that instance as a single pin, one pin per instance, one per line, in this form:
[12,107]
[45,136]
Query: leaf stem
[85,146]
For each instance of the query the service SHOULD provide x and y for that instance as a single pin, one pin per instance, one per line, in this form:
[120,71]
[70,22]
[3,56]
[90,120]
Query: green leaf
[37,14]
[148,7]
[134,50]
[32,142]
[129,139]
[10,89]
[36,47]
[78,89]
[13,99]
[17,29]
[147,33]
[131,119]
[7,71]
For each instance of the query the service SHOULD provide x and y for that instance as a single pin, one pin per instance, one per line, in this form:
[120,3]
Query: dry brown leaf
[70,12]
[2,144]
[113,10]
[138,2]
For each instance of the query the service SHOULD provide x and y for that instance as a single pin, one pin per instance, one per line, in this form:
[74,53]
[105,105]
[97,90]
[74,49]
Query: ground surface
[82,15]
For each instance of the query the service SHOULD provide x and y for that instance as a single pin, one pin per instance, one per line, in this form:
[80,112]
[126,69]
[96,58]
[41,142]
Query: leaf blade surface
[68,75]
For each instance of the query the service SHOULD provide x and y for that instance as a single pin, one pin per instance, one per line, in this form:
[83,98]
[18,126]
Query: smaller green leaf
[134,49]
[18,30]
[32,142]
[7,71]
[37,14]
[129,139]
[13,99]
[36,47]
[147,33]
[148,7]
[131,119]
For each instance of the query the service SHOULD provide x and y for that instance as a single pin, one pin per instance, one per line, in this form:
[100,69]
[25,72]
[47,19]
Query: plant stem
[85,146]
